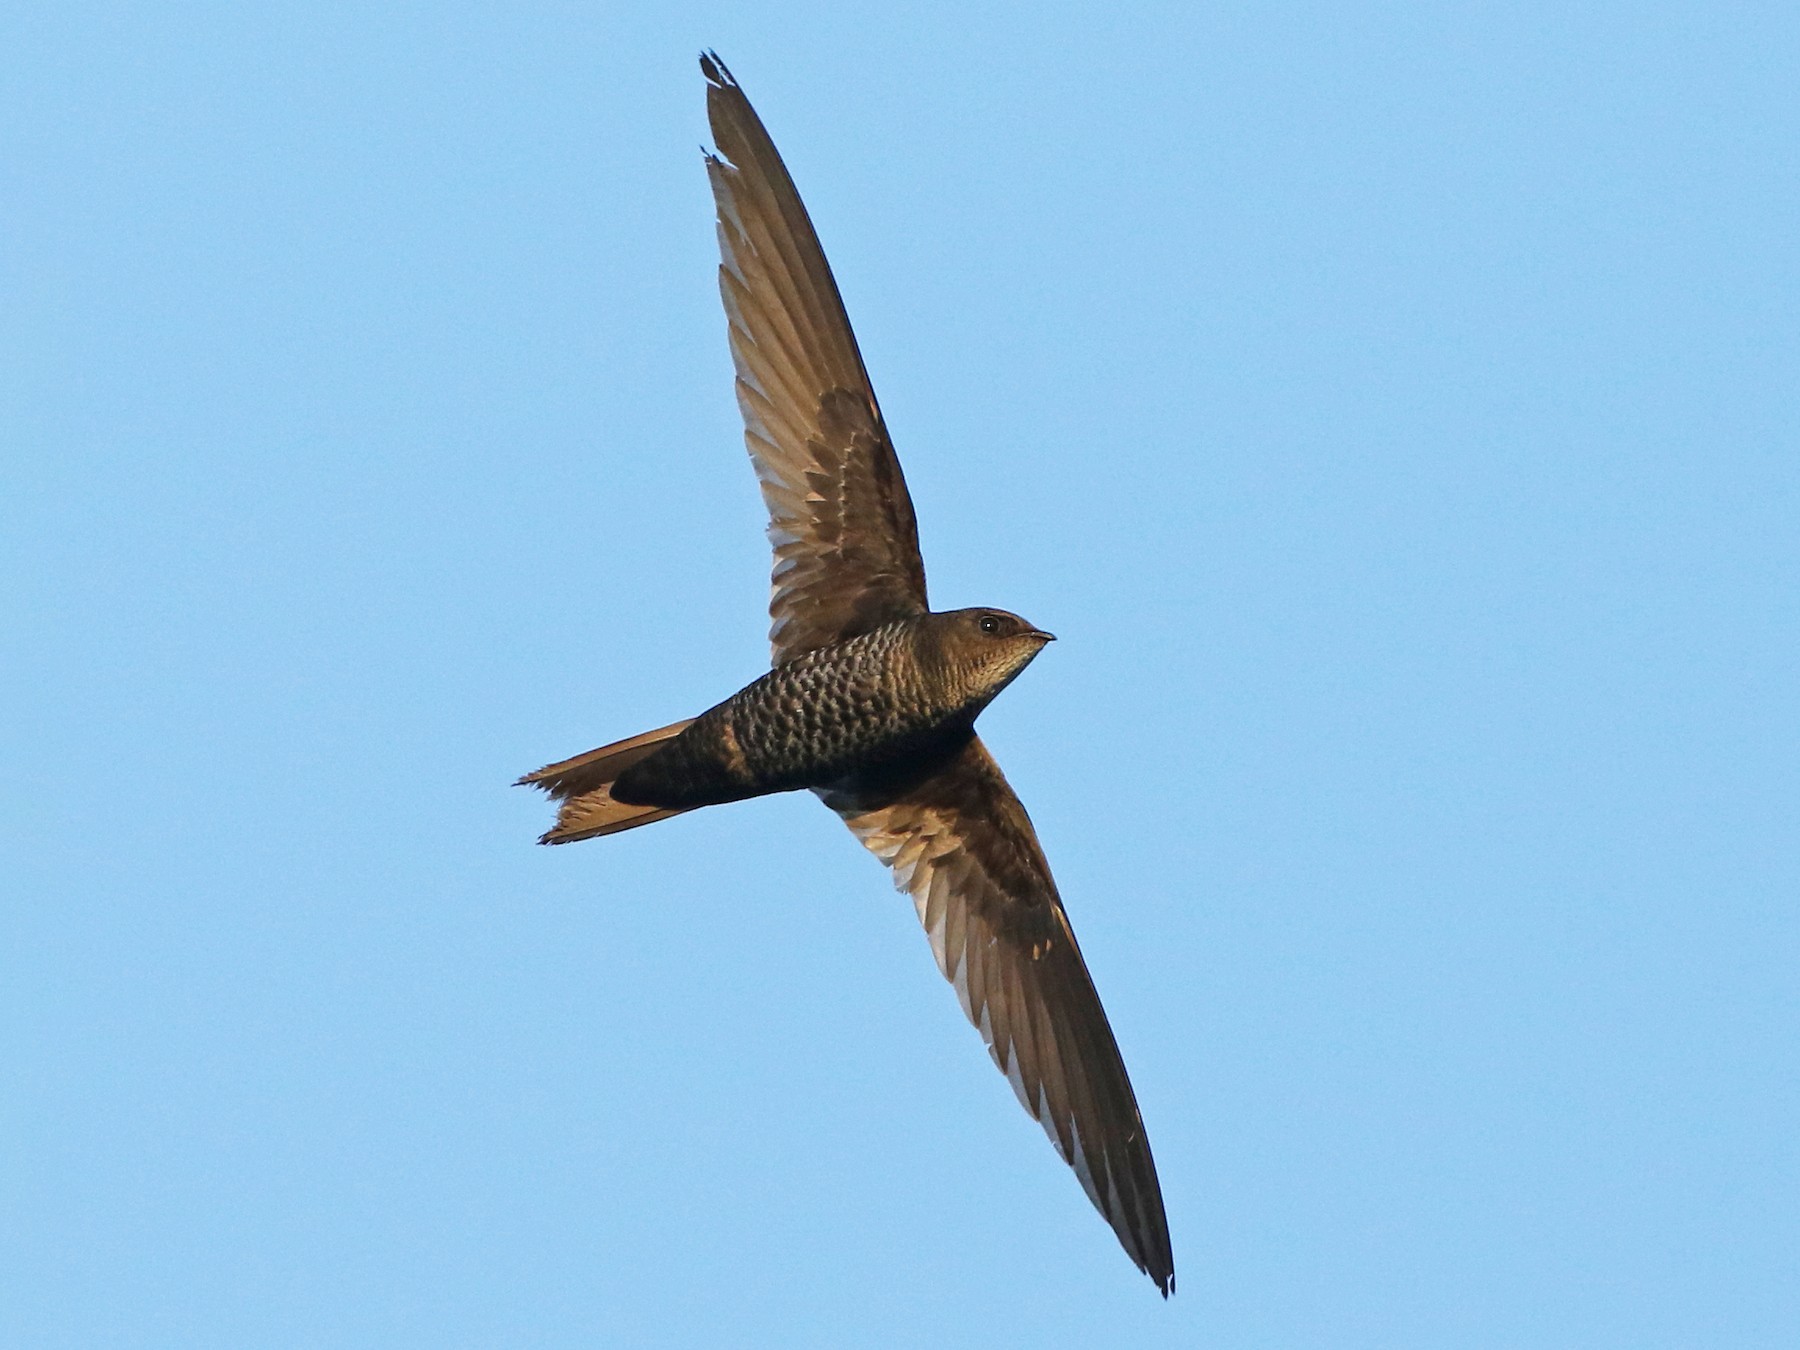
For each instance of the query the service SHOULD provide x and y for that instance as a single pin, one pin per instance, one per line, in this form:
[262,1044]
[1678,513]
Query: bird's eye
[990,623]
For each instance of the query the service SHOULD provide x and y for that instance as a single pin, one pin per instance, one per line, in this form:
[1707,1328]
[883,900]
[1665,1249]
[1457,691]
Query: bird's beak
[1041,635]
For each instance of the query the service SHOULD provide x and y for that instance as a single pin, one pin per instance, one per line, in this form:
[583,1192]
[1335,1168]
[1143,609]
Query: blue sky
[1393,411]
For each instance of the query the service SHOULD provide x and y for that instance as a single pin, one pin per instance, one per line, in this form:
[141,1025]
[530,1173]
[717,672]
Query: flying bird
[872,697]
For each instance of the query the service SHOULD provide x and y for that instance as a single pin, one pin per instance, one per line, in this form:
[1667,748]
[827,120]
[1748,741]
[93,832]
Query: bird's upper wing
[846,543]
[961,844]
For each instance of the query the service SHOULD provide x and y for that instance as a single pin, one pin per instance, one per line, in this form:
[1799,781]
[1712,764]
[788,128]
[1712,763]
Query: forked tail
[584,787]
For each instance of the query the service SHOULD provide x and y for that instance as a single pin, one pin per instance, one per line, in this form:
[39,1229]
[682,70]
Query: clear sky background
[1392,408]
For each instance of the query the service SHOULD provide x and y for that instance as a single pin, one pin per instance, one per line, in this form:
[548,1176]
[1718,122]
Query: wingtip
[1159,1263]
[717,73]
[1160,1267]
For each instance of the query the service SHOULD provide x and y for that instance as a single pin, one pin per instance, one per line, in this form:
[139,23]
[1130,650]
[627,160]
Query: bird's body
[902,696]
[872,699]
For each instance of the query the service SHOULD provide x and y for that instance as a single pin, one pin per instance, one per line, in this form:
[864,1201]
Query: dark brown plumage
[873,698]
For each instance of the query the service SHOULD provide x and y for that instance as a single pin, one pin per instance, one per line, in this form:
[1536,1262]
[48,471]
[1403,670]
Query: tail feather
[583,786]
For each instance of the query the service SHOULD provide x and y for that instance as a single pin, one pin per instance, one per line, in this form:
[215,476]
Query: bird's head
[978,652]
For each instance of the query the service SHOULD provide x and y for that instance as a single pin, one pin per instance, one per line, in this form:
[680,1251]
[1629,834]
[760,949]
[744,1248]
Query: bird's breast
[814,720]
[833,714]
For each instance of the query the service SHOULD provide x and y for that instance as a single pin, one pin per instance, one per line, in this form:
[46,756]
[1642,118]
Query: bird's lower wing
[961,845]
